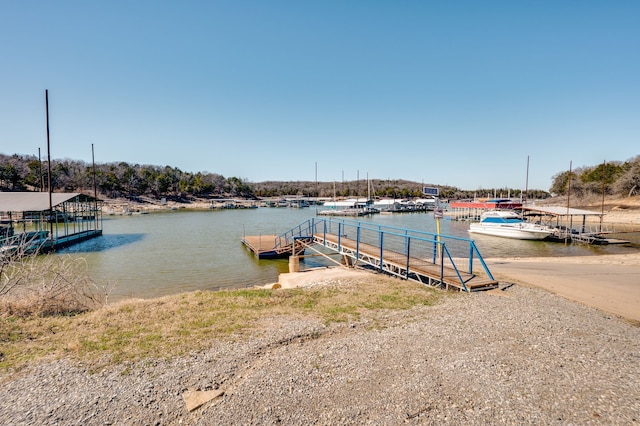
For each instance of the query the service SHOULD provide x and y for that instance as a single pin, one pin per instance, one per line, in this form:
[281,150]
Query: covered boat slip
[571,224]
[435,260]
[39,221]
[567,224]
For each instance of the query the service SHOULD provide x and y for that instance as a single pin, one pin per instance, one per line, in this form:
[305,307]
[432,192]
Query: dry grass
[175,325]
[45,285]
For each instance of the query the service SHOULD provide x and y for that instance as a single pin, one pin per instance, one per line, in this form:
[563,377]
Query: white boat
[509,224]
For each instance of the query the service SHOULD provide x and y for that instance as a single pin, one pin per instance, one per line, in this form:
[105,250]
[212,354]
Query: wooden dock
[266,247]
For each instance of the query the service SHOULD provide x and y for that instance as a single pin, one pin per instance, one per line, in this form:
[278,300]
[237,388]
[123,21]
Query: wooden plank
[266,246]
[260,243]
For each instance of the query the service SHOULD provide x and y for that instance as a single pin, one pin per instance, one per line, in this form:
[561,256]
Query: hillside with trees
[124,180]
[614,178]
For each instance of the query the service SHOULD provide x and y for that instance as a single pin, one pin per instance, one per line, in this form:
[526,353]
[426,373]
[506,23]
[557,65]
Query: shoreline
[604,281]
[616,210]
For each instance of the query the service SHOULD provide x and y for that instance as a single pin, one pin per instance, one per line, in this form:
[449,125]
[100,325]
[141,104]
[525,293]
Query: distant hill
[124,180]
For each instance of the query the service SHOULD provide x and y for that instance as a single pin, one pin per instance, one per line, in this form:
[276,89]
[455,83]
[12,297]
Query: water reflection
[106,242]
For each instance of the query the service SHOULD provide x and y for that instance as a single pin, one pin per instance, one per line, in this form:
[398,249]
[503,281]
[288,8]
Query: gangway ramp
[408,267]
[432,259]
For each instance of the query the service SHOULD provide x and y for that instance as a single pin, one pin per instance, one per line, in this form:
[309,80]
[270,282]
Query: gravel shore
[517,355]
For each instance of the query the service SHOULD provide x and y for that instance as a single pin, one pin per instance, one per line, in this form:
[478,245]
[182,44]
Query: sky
[471,94]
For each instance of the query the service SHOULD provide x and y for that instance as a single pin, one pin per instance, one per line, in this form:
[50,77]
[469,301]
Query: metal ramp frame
[422,257]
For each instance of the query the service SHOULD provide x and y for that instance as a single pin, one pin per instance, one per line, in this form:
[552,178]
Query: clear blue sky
[441,92]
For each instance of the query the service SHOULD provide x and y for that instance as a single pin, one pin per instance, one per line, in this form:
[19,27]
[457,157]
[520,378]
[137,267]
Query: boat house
[570,223]
[39,221]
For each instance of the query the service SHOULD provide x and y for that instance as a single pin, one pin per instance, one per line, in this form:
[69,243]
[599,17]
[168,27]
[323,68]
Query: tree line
[115,180]
[609,178]
[124,180]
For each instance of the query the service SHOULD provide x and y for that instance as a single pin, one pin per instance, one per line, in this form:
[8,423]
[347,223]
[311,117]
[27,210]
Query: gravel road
[514,356]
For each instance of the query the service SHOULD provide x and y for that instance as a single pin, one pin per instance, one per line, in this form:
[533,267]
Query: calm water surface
[175,251]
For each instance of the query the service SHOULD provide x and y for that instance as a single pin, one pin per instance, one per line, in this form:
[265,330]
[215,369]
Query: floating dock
[265,247]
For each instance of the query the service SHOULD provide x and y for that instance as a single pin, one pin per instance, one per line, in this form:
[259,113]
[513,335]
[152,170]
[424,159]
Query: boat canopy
[36,201]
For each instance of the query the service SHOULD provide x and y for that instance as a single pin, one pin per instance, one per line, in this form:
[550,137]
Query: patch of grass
[341,313]
[174,325]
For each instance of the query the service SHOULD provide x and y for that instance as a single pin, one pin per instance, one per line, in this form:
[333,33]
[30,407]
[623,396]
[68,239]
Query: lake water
[176,251]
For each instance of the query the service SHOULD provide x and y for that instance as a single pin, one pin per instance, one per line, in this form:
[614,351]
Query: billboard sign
[426,190]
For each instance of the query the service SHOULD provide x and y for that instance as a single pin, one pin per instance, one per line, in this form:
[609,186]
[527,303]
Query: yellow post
[437,214]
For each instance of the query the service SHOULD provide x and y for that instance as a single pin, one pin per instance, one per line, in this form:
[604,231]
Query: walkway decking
[265,247]
[404,253]
[416,269]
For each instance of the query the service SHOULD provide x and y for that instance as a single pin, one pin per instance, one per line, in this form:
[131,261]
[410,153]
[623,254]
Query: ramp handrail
[409,243]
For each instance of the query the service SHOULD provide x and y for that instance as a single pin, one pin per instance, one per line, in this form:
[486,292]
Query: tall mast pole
[40,171]
[604,170]
[569,186]
[368,188]
[46,98]
[568,197]
[95,188]
[526,183]
[93,163]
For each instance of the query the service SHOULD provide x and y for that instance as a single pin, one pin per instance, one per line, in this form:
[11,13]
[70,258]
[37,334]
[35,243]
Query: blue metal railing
[414,246]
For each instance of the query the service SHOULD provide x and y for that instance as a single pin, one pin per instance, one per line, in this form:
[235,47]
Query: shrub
[48,284]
